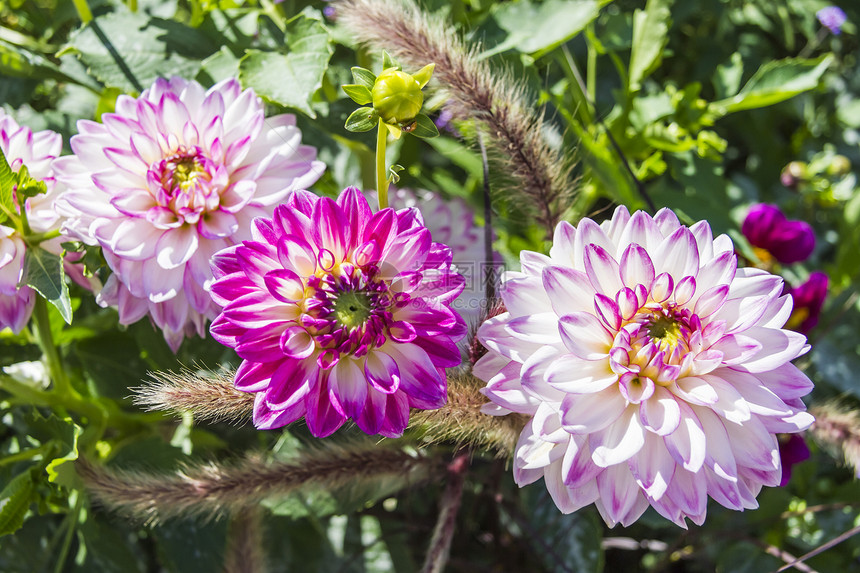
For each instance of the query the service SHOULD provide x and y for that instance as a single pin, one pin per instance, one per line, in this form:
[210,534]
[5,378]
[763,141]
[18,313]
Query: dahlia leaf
[7,182]
[14,502]
[43,272]
[291,79]
[130,50]
[63,436]
[538,28]
[388,61]
[650,29]
[424,127]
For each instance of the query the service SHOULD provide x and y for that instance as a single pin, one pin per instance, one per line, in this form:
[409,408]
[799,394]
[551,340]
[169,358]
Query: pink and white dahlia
[168,180]
[36,151]
[654,370]
[339,312]
[452,223]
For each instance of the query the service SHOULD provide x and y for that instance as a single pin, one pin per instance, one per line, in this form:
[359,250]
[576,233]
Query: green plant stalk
[381,176]
[64,396]
[38,238]
[83,9]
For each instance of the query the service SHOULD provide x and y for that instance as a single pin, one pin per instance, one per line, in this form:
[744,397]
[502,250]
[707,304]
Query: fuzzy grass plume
[475,90]
[837,428]
[216,489]
[207,395]
[461,421]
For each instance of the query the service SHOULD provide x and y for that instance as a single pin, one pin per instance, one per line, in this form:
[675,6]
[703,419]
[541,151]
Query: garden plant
[376,285]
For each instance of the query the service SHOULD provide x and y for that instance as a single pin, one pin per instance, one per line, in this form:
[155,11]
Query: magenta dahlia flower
[792,451]
[337,313]
[787,241]
[808,300]
[36,151]
[168,180]
[654,370]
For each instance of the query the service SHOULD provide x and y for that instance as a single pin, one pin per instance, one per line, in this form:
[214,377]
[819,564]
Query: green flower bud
[397,96]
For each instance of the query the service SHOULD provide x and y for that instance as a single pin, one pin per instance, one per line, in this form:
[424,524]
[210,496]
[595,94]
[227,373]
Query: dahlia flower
[168,180]
[808,298]
[654,370]
[337,313]
[36,151]
[787,241]
[792,450]
[452,223]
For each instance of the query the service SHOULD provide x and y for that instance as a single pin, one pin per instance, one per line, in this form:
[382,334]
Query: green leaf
[423,75]
[362,119]
[129,50]
[43,272]
[14,502]
[650,35]
[774,82]
[388,61]
[7,182]
[539,28]
[358,93]
[291,79]
[63,434]
[424,127]
[363,77]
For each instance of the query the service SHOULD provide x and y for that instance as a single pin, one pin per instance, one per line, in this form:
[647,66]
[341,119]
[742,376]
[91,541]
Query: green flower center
[665,331]
[352,309]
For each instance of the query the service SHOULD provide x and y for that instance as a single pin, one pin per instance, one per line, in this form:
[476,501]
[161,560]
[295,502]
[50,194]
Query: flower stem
[83,9]
[381,178]
[62,386]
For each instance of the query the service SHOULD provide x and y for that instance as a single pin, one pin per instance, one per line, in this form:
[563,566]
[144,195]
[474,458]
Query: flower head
[788,241]
[808,299]
[832,18]
[655,371]
[35,151]
[337,313]
[169,179]
[792,450]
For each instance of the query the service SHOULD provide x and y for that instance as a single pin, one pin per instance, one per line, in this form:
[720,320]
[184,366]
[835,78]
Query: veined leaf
[775,82]
[539,28]
[291,79]
[7,182]
[43,272]
[650,35]
[14,502]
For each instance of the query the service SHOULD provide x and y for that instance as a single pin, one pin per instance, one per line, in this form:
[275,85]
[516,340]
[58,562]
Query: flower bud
[397,96]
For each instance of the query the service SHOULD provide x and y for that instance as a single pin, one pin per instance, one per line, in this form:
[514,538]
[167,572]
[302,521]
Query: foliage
[700,106]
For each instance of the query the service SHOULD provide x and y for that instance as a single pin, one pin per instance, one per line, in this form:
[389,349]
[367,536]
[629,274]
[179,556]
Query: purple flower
[832,18]
[339,312]
[788,241]
[654,371]
[792,450]
[36,151]
[169,179]
[808,300]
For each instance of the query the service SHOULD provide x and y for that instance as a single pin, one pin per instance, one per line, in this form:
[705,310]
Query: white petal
[585,336]
[660,413]
[587,413]
[687,443]
[620,441]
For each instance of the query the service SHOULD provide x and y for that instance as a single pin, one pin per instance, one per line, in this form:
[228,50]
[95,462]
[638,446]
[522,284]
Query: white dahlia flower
[169,179]
[36,151]
[654,370]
